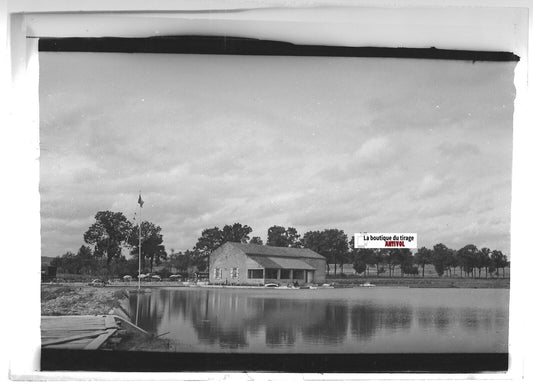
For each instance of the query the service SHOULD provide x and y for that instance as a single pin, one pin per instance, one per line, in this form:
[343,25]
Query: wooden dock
[77,332]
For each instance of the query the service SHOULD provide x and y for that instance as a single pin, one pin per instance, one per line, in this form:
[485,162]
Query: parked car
[127,278]
[98,283]
[155,277]
[175,277]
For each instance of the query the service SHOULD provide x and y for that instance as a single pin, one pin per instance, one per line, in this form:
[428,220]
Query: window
[298,274]
[271,273]
[218,273]
[234,273]
[255,273]
[285,274]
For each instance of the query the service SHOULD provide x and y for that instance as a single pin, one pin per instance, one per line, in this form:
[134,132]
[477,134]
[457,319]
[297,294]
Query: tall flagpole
[140,224]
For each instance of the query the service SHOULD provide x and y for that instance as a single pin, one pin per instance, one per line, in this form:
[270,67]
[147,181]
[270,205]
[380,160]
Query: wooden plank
[97,343]
[131,324]
[72,338]
[57,329]
[79,325]
[60,331]
[89,332]
[110,322]
[61,334]
[59,323]
[76,326]
[71,317]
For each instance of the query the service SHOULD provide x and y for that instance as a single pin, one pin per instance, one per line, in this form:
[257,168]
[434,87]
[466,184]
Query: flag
[140,201]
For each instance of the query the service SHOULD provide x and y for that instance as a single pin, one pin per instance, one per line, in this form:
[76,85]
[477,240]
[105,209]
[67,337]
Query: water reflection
[363,321]
[329,321]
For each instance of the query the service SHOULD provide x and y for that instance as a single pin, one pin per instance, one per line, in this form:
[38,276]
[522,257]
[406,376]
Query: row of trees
[111,236]
[84,262]
[468,260]
[112,233]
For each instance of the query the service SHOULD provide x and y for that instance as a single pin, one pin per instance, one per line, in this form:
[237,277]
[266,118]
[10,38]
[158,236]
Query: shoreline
[391,282]
[69,299]
[80,299]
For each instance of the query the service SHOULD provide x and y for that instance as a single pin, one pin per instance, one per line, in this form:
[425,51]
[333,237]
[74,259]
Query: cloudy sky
[359,144]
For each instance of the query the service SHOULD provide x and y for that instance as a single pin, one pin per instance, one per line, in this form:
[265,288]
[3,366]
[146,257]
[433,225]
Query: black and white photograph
[249,172]
[214,202]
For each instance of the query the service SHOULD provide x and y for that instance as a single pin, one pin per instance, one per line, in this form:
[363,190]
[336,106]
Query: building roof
[267,250]
[281,263]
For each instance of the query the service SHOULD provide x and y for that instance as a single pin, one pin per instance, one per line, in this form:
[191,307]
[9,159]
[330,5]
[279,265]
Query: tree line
[112,234]
[339,251]
[469,261]
[107,240]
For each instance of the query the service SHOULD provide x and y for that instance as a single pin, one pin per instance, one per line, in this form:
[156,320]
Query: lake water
[349,320]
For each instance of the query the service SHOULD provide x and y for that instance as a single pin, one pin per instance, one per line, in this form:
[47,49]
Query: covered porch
[282,270]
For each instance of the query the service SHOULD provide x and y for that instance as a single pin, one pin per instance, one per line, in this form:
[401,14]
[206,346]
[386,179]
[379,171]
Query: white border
[380,22]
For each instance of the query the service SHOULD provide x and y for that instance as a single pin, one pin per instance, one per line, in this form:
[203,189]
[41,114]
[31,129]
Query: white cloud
[373,149]
[429,186]
[212,140]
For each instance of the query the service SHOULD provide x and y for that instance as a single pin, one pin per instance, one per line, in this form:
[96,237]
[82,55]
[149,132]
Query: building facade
[252,264]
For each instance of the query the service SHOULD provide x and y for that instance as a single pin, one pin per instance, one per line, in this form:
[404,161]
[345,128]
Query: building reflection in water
[231,319]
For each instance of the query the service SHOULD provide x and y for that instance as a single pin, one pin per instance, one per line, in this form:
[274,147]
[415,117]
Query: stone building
[252,264]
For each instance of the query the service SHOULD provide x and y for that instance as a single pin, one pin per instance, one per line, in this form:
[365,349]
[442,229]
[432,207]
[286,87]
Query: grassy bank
[426,282]
[78,300]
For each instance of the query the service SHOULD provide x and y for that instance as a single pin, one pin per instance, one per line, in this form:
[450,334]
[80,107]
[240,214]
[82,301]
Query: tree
[484,260]
[313,240]
[88,264]
[371,257]
[276,236]
[361,258]
[237,233]
[65,263]
[452,261]
[331,243]
[280,237]
[499,260]
[108,234]
[359,264]
[380,256]
[440,258]
[398,256]
[179,261]
[201,262]
[293,237]
[212,238]
[405,260]
[423,257]
[152,247]
[468,256]
[256,240]
[120,267]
